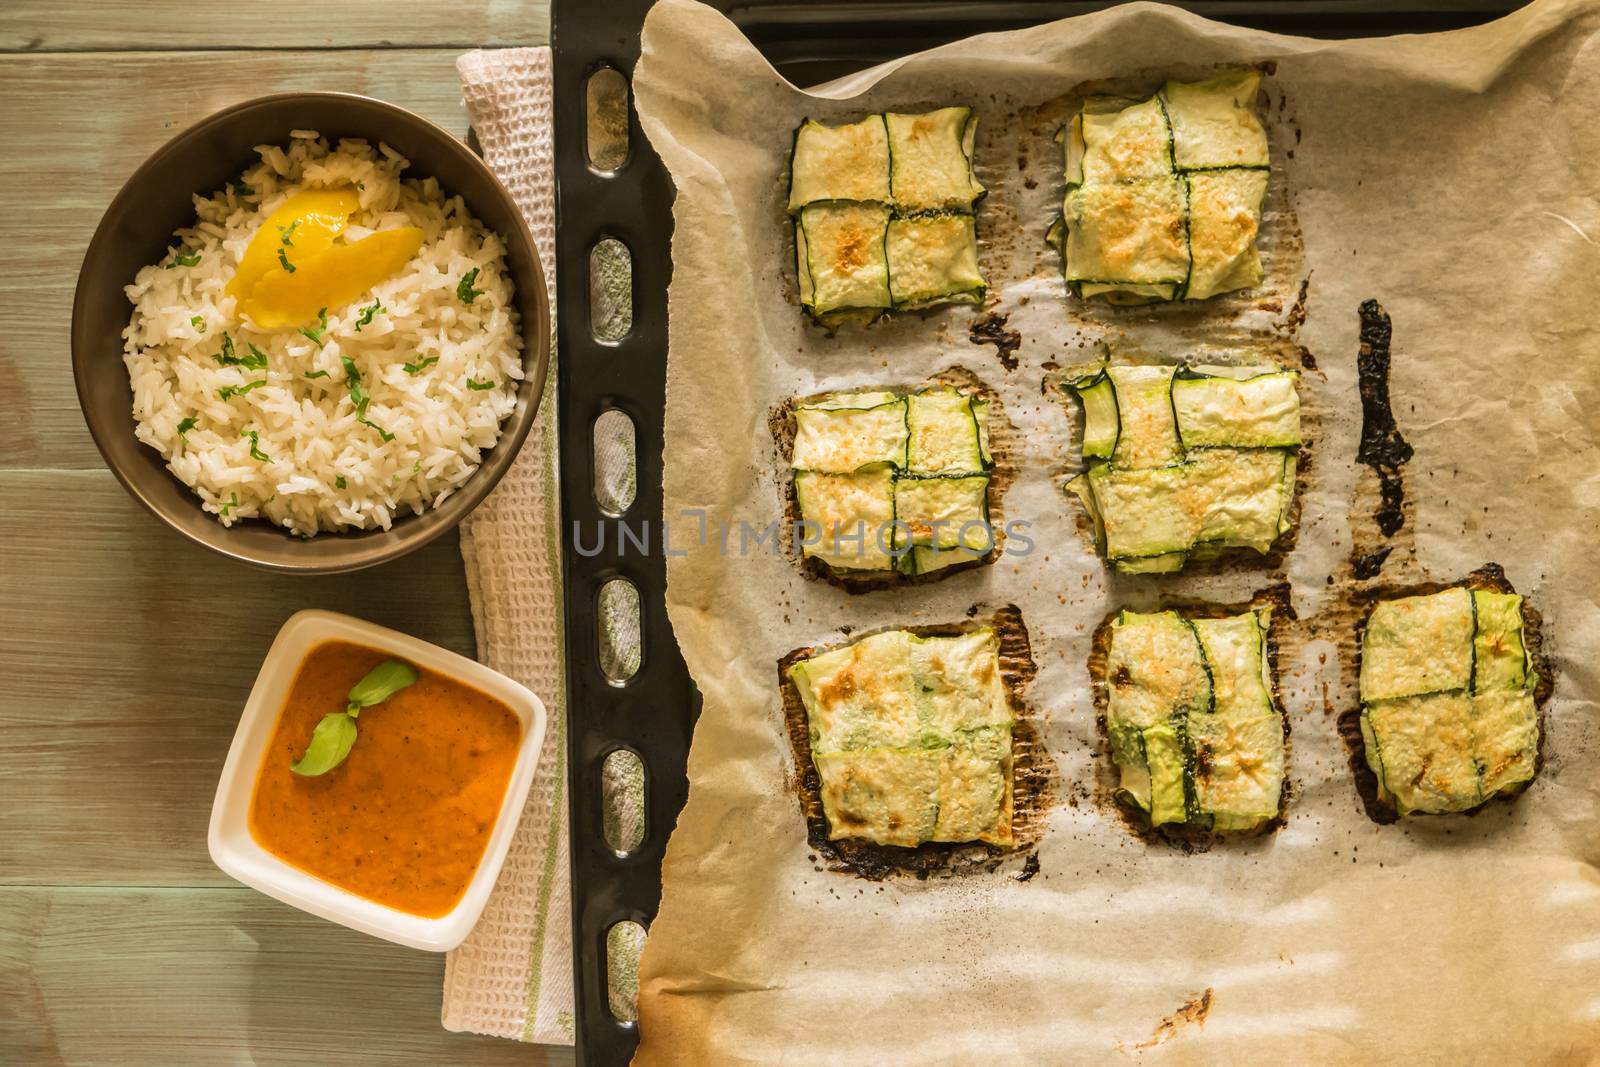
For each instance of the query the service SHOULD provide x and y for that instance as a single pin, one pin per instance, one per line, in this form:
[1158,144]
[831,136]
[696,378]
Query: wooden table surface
[125,652]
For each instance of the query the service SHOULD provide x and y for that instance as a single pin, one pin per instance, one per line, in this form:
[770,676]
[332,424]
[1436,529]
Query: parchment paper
[1450,177]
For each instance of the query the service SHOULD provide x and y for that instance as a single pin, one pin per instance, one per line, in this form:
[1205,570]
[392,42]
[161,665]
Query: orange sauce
[404,820]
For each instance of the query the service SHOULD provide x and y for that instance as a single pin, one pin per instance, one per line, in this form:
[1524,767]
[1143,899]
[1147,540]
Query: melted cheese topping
[1419,644]
[932,257]
[931,160]
[841,440]
[911,738]
[1214,123]
[849,162]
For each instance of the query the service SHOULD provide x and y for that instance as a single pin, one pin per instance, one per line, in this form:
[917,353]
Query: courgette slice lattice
[1164,195]
[1185,461]
[1448,720]
[1195,732]
[889,483]
[911,738]
[883,213]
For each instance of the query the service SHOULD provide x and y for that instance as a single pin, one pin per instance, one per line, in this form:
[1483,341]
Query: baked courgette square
[893,483]
[837,436]
[1224,220]
[1194,729]
[849,162]
[1185,461]
[1214,122]
[848,519]
[933,259]
[843,257]
[1164,195]
[943,512]
[930,160]
[883,213]
[1448,719]
[946,430]
[1128,238]
[911,738]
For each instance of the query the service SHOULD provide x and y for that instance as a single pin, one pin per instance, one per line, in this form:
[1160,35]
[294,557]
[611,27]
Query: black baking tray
[653,713]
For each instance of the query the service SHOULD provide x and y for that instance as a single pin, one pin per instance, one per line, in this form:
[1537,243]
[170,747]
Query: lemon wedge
[330,279]
[292,268]
[304,226]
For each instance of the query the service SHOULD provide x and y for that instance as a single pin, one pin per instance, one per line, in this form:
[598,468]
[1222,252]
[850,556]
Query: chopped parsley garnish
[186,425]
[184,259]
[361,417]
[419,366]
[464,290]
[286,233]
[338,483]
[233,502]
[255,446]
[367,313]
[473,383]
[256,360]
[316,374]
[239,390]
[198,322]
[360,398]
[315,334]
[285,260]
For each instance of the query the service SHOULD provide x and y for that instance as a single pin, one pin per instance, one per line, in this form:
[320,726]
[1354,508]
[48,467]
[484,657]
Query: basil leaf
[464,290]
[382,682]
[186,425]
[330,743]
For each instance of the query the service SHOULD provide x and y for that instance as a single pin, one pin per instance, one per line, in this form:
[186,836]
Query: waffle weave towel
[513,976]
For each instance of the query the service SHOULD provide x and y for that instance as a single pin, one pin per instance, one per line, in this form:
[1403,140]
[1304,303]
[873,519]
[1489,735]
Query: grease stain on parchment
[1192,1012]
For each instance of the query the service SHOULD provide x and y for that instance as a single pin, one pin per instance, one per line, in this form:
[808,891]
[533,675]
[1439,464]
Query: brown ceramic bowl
[137,229]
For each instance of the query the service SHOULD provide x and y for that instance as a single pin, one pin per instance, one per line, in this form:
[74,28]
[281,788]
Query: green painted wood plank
[216,977]
[128,654]
[107,25]
[74,127]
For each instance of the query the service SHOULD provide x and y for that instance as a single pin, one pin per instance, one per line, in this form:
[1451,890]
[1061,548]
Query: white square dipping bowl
[234,848]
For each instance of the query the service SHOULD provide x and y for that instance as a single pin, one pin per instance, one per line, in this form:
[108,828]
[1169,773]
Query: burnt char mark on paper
[1190,839]
[991,330]
[1490,577]
[1383,448]
[1032,773]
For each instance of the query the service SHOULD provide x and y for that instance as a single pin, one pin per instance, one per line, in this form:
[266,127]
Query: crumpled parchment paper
[1450,177]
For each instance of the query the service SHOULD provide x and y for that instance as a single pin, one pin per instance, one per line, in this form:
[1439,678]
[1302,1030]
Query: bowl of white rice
[311,332]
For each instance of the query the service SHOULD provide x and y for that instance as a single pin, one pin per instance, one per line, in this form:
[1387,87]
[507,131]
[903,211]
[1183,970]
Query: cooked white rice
[325,470]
